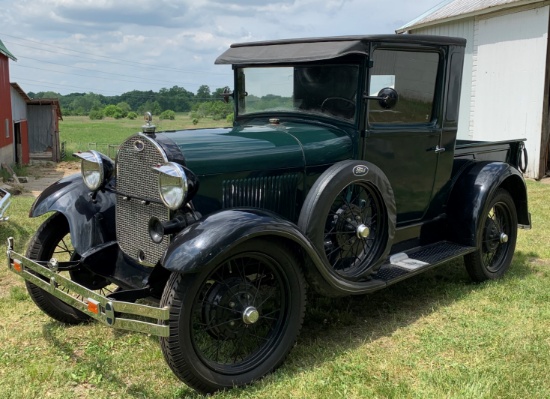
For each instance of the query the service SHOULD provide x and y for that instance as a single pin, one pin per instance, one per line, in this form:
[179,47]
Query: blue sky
[113,46]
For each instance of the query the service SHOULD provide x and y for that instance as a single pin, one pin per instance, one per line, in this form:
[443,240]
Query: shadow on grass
[337,324]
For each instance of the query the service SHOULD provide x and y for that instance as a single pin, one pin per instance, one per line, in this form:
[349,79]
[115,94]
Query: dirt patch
[41,175]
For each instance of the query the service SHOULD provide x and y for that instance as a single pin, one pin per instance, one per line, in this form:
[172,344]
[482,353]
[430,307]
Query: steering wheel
[342,106]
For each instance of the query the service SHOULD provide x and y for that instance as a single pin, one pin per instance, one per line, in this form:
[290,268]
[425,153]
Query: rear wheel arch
[473,189]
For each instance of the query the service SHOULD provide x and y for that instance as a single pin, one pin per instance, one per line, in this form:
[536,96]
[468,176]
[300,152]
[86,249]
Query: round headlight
[172,184]
[91,167]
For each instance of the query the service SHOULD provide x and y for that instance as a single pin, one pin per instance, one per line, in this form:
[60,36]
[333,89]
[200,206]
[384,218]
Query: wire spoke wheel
[354,230]
[237,322]
[496,239]
[349,215]
[53,240]
[239,313]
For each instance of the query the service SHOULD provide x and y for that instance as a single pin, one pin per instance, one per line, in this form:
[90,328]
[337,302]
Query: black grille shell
[138,198]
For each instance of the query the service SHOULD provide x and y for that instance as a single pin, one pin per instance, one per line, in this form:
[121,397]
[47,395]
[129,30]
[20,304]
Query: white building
[506,81]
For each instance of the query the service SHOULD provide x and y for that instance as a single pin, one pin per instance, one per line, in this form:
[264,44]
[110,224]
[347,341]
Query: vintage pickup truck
[342,174]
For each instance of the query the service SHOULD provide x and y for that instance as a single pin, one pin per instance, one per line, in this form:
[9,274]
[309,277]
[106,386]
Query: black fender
[91,220]
[205,243]
[321,195]
[473,188]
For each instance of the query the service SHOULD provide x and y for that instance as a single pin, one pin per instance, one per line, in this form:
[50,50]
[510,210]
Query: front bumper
[116,314]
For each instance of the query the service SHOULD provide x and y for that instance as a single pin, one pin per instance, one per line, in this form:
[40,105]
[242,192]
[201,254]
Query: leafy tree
[124,107]
[110,110]
[168,114]
[150,106]
[131,115]
[203,93]
[96,114]
[83,104]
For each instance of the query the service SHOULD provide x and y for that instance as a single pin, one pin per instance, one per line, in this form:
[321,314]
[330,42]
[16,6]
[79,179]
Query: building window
[7,128]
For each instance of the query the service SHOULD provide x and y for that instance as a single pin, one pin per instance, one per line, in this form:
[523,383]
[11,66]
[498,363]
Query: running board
[407,264]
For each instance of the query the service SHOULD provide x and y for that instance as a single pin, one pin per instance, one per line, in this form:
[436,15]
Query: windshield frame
[293,110]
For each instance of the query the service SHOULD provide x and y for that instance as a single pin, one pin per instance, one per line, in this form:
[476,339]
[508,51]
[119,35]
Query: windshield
[320,89]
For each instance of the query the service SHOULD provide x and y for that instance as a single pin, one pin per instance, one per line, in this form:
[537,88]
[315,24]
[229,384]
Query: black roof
[323,48]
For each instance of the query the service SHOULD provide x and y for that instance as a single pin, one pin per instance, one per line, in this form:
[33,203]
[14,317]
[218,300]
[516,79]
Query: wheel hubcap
[362,231]
[503,238]
[251,315]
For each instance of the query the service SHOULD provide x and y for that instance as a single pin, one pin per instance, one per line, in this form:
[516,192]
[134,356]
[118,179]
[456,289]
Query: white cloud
[181,38]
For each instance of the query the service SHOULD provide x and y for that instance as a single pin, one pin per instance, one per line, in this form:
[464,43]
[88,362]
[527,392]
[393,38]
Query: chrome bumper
[4,204]
[110,312]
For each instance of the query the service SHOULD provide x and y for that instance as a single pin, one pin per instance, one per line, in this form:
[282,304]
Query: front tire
[237,321]
[52,240]
[496,239]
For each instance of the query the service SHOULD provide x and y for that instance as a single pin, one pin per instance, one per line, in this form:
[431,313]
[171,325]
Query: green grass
[80,131]
[437,335]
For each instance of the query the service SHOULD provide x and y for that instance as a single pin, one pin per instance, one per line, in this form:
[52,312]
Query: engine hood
[258,147]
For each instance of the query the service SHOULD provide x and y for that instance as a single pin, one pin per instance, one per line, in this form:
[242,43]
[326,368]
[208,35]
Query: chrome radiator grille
[137,185]
[274,193]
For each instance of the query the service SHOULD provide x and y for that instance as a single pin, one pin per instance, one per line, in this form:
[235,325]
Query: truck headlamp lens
[173,184]
[91,167]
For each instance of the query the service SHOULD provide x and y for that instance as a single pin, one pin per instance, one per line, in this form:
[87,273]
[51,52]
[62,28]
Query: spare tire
[349,215]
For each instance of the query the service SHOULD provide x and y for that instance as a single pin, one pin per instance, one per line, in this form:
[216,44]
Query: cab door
[405,141]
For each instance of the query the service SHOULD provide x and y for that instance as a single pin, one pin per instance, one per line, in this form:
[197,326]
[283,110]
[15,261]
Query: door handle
[439,149]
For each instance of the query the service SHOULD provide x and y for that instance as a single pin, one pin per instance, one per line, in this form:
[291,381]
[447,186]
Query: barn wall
[464,29]
[6,124]
[504,76]
[508,79]
[18,105]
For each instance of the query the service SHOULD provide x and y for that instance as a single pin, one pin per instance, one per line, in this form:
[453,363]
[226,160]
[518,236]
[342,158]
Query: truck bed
[508,151]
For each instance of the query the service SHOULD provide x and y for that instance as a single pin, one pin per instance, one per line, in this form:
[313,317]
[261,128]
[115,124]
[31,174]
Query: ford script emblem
[360,170]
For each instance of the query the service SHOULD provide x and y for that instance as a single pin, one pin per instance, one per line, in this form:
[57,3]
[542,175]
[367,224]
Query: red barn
[7,150]
[29,128]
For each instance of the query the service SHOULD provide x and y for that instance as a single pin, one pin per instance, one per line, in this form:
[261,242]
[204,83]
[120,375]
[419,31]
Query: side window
[413,75]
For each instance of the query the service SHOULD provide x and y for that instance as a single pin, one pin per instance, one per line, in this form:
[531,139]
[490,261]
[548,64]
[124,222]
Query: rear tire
[238,320]
[496,239]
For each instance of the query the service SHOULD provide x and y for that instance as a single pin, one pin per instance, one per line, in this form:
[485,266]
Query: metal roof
[6,52]
[450,10]
[315,49]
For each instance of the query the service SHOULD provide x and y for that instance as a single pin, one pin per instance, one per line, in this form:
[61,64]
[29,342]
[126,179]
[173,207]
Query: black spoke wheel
[496,239]
[349,220]
[237,321]
[52,240]
[354,230]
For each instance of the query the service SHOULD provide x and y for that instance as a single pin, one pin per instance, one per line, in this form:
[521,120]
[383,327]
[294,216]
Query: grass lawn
[79,132]
[436,335]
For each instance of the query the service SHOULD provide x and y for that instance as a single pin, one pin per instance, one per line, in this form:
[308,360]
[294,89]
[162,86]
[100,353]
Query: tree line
[164,103]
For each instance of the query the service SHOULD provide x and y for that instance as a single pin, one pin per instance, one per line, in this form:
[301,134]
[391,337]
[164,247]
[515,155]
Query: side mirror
[226,94]
[387,98]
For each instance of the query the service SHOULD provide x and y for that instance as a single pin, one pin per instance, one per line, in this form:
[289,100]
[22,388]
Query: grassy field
[437,335]
[81,133]
[434,336]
